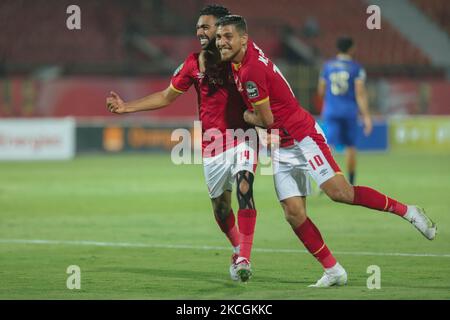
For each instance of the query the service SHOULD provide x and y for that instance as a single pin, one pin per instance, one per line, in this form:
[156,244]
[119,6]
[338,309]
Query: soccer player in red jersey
[220,108]
[303,149]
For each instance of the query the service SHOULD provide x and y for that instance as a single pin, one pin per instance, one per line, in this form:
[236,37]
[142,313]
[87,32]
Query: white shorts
[293,165]
[220,170]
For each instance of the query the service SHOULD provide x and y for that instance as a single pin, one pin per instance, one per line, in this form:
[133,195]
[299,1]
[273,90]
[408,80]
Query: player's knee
[244,187]
[294,213]
[338,189]
[245,190]
[343,195]
[222,210]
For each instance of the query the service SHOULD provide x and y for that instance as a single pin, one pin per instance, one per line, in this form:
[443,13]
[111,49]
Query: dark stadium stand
[341,17]
[40,36]
[102,56]
[438,10]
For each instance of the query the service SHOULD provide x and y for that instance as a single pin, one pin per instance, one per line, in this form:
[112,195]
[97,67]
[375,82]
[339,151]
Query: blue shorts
[341,131]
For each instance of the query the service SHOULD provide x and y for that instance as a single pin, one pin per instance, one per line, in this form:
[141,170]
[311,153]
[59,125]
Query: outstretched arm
[154,101]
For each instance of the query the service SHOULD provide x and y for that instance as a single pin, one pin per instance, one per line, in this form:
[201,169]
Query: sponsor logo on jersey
[252,89]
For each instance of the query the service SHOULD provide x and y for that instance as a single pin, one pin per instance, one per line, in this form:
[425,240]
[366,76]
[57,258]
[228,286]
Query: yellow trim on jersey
[340,173]
[175,89]
[237,66]
[319,250]
[257,103]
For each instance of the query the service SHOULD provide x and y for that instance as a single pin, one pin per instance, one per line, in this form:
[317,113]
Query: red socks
[246,222]
[230,229]
[311,238]
[373,199]
[244,236]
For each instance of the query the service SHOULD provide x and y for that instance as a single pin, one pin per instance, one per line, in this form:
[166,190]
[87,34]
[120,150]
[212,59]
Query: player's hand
[248,117]
[115,104]
[263,135]
[268,139]
[367,126]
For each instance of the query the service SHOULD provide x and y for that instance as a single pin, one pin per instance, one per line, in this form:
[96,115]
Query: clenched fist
[115,104]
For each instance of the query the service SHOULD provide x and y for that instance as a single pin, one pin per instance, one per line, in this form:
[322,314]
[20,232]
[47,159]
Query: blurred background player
[342,82]
[267,92]
[220,108]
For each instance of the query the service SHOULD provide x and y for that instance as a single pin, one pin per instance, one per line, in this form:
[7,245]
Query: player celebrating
[220,108]
[342,81]
[267,92]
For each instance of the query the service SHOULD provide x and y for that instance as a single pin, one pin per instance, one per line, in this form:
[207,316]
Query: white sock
[337,268]
[409,214]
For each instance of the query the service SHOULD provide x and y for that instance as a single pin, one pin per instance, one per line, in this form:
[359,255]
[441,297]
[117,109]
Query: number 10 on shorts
[317,161]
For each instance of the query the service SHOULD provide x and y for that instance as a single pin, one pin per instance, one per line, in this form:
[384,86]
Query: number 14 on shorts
[245,155]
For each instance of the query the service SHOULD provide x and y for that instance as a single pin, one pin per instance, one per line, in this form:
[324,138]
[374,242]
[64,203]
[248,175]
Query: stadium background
[53,85]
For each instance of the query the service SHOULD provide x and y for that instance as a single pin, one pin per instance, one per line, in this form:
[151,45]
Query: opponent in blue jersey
[342,82]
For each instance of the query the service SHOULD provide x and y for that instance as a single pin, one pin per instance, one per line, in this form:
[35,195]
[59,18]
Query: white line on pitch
[181,246]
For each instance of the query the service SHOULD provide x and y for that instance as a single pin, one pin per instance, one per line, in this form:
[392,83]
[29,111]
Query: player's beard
[208,45]
[211,45]
[212,53]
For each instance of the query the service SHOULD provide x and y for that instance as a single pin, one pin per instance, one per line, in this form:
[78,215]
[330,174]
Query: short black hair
[344,43]
[215,10]
[235,20]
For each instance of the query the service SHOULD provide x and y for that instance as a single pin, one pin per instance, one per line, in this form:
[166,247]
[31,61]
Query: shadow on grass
[222,278]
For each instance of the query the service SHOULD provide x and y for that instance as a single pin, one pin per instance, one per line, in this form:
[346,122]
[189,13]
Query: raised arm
[154,101]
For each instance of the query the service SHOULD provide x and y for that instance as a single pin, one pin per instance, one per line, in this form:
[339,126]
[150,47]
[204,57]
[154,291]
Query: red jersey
[220,106]
[259,80]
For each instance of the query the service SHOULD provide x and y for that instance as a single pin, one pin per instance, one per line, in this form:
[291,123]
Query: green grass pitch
[154,220]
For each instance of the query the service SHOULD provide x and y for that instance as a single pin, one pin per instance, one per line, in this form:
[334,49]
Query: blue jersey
[340,75]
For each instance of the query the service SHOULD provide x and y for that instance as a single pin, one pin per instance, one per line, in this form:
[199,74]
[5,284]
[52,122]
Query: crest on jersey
[177,71]
[252,89]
